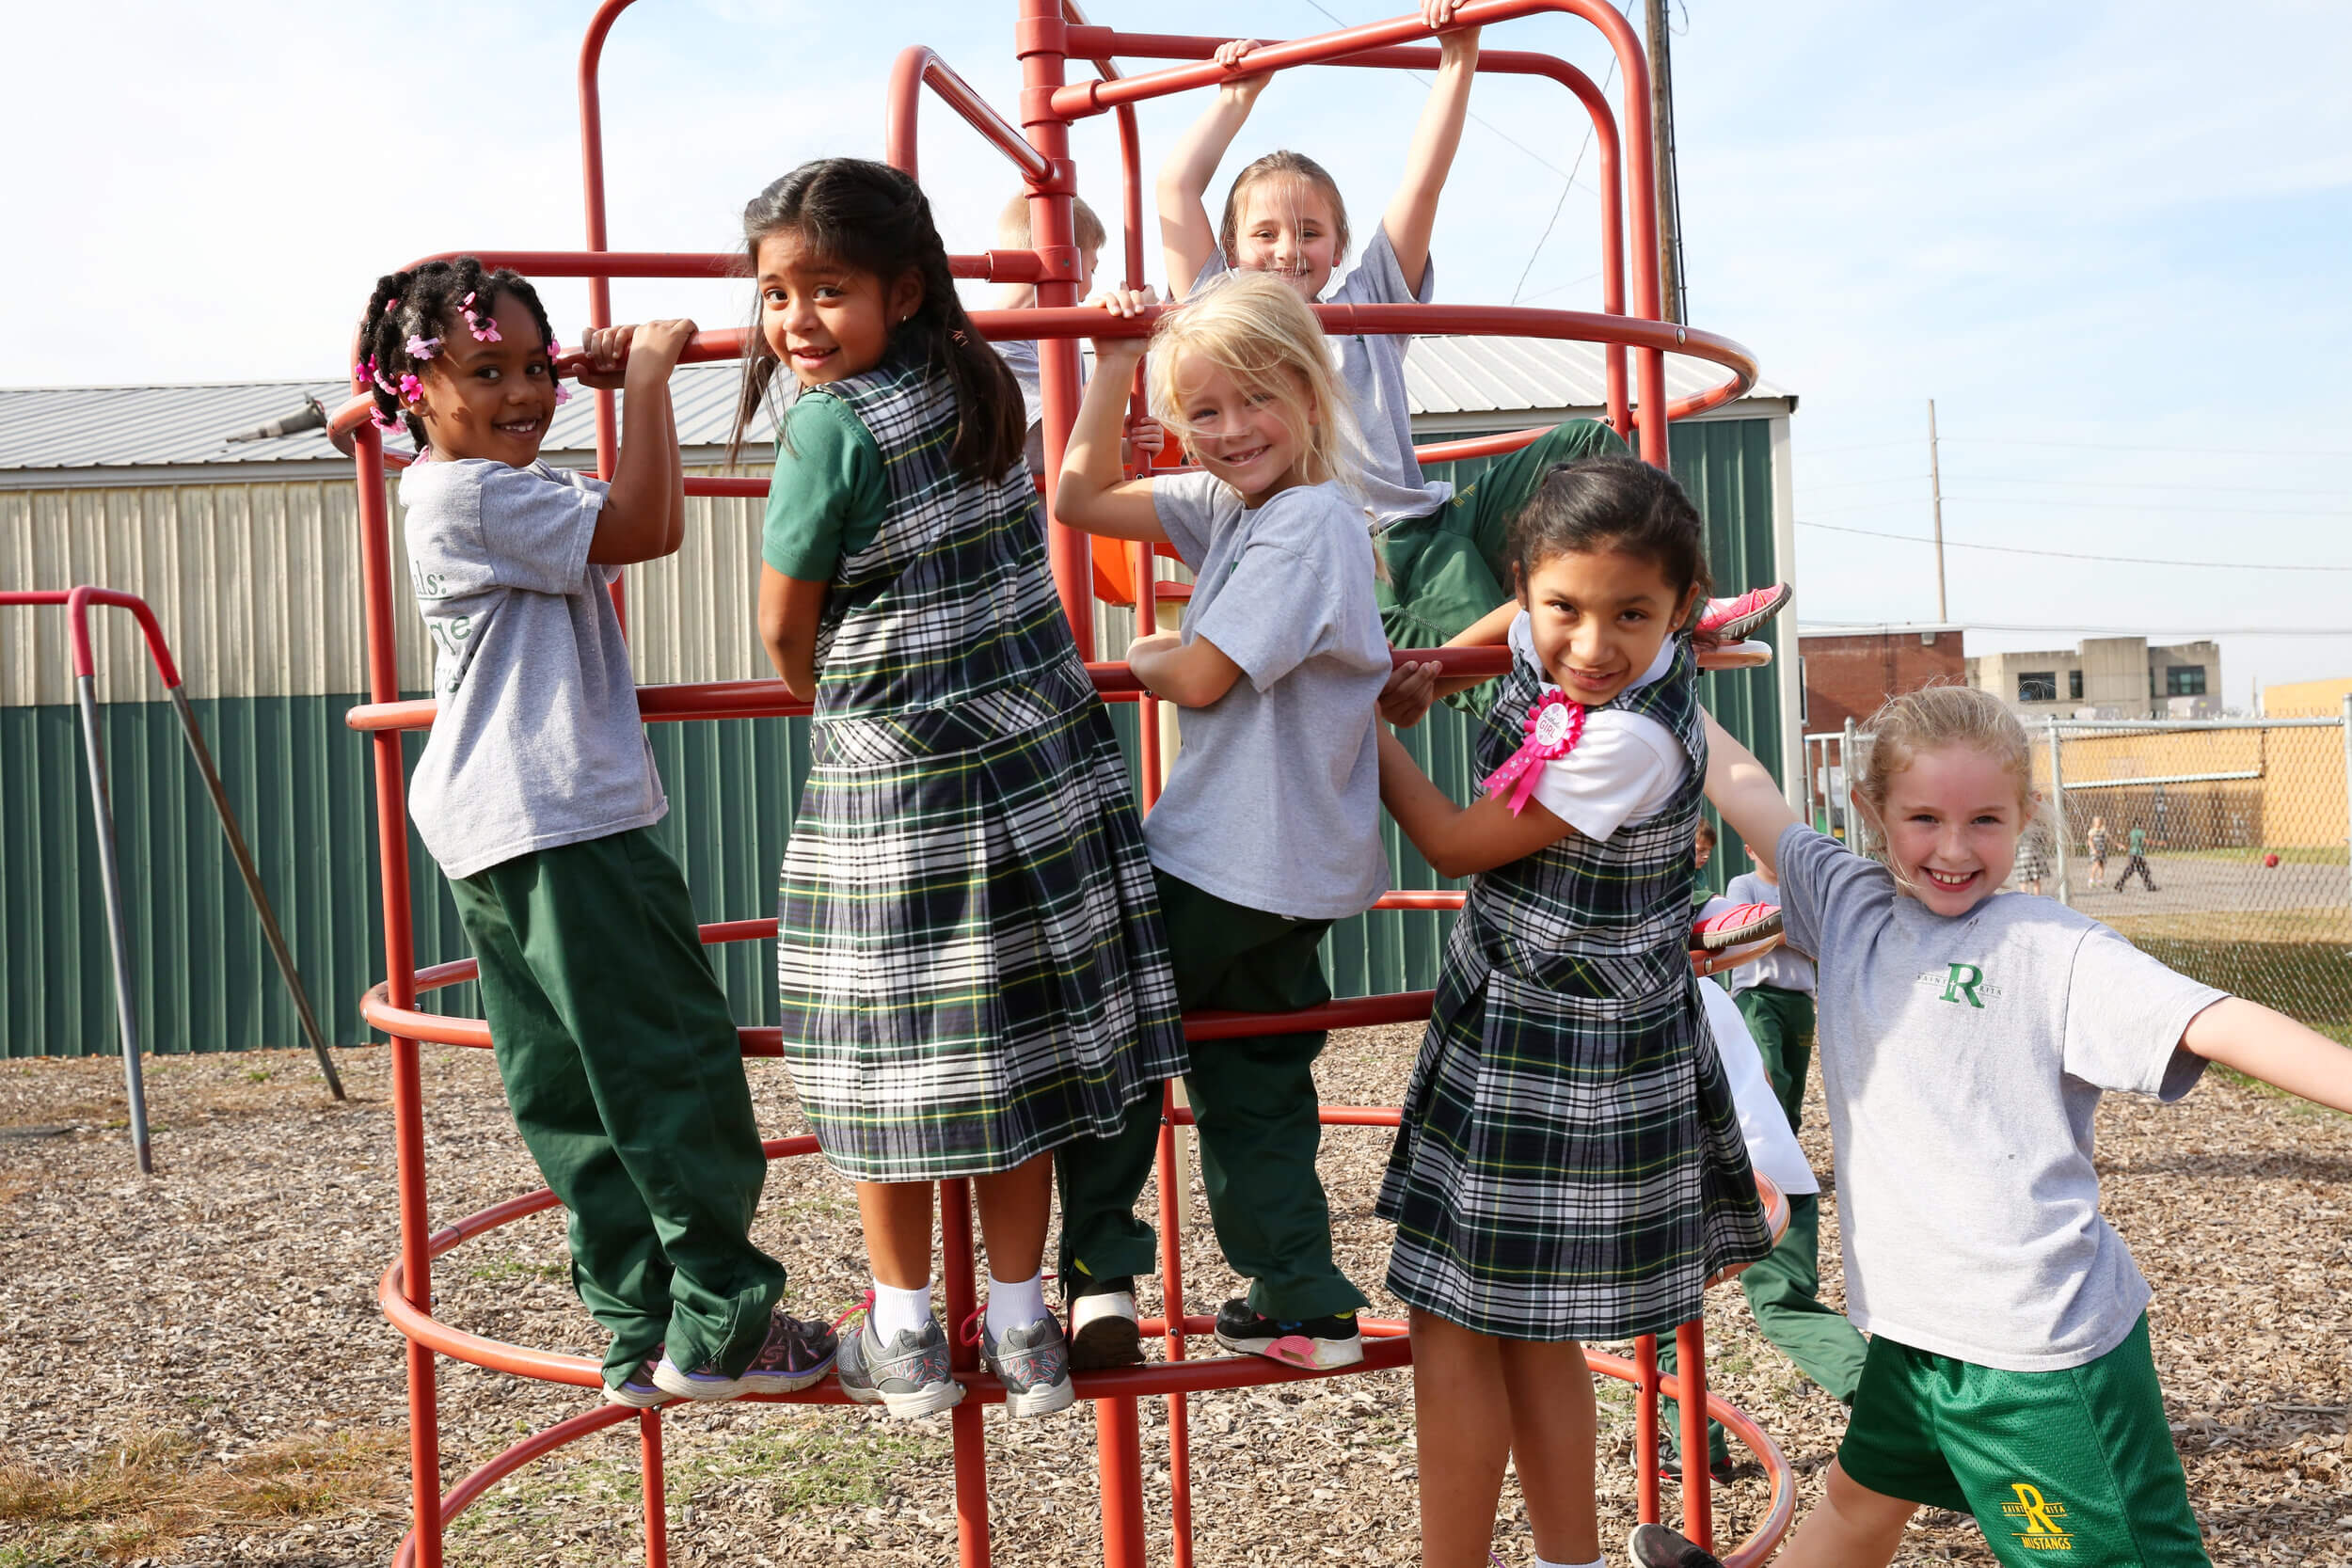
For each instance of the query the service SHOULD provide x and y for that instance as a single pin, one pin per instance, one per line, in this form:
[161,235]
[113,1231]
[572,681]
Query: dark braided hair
[1613,503]
[429,303]
[873,218]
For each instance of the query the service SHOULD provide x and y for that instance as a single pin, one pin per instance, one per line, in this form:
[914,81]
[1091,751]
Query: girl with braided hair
[537,795]
[969,950]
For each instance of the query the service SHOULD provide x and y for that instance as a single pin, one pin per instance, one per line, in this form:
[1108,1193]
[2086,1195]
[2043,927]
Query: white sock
[897,1311]
[1014,1304]
[1547,1563]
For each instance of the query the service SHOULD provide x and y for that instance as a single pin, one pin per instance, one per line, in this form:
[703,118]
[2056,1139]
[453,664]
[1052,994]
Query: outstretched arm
[1457,841]
[1413,210]
[2274,1048]
[1188,238]
[1745,794]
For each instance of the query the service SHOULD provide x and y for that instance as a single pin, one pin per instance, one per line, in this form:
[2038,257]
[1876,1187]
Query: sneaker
[638,1390]
[908,1377]
[1655,1546]
[1103,1325]
[796,1354]
[1741,923]
[1719,1466]
[1317,1344]
[1033,1364]
[1732,620]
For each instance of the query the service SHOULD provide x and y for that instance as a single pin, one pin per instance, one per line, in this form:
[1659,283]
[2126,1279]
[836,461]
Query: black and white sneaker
[1655,1546]
[1317,1344]
[1103,1329]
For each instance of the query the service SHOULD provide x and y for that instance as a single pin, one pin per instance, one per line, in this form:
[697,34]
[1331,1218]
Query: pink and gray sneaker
[1732,620]
[1730,927]
[1033,1364]
[1317,1344]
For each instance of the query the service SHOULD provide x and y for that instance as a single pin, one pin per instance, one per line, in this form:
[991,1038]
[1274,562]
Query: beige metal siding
[255,586]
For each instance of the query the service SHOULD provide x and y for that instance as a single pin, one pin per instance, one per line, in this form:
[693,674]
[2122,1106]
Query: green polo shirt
[827,498]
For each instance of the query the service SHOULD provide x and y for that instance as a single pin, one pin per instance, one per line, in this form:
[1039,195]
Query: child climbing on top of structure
[1284,217]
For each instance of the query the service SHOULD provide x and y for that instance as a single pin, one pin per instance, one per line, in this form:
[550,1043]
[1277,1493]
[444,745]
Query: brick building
[1848,672]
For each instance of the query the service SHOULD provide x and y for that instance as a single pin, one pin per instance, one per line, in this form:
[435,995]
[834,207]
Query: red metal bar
[1173,1175]
[399,990]
[963,1359]
[1698,1501]
[592,196]
[1119,1469]
[1038,41]
[917,67]
[656,1492]
[1645,1392]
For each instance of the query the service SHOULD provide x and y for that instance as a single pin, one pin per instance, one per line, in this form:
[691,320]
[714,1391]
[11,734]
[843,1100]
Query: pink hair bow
[1554,725]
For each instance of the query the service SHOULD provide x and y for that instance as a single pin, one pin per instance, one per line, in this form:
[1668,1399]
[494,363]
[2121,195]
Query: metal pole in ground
[2347,781]
[1846,748]
[253,885]
[110,879]
[2058,808]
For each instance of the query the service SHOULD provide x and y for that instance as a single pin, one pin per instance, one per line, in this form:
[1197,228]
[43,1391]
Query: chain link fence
[2222,847]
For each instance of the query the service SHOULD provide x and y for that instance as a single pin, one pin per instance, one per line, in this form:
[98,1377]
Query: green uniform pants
[1254,1099]
[626,1079]
[1449,567]
[1783,1291]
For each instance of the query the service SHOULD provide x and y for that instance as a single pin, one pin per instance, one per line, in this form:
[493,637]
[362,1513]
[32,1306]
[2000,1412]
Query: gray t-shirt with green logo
[1962,1060]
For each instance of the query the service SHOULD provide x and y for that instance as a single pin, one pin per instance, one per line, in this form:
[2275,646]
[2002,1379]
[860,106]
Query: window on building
[2183,680]
[2037,685]
[2075,684]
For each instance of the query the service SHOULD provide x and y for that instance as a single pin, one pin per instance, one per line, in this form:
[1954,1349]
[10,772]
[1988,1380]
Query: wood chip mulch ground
[198,1372]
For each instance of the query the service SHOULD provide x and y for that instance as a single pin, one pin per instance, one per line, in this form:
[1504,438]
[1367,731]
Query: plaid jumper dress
[970,956]
[1570,1165]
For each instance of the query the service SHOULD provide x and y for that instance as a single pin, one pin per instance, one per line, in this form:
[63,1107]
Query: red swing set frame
[1049,35]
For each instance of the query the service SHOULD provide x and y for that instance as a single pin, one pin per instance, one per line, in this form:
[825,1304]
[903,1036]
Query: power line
[2152,484]
[2074,555]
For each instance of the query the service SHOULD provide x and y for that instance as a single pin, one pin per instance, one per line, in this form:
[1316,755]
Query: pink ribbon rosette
[1554,725]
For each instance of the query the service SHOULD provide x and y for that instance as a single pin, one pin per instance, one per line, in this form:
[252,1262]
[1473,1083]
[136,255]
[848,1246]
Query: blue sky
[2109,240]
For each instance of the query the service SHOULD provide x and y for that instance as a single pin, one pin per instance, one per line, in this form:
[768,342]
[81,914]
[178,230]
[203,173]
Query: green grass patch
[2289,854]
[2310,981]
[818,1464]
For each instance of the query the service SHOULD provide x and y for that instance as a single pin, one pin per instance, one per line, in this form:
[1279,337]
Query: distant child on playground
[537,795]
[1019,354]
[1269,828]
[2136,859]
[970,955]
[2096,842]
[1445,553]
[1570,1164]
[1965,1039]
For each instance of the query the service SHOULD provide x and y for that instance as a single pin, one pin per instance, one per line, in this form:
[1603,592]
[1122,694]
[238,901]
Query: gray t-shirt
[1374,370]
[537,742]
[1784,968]
[1274,802]
[1962,1060]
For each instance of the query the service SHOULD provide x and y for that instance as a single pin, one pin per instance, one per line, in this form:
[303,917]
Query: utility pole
[1662,121]
[1935,489]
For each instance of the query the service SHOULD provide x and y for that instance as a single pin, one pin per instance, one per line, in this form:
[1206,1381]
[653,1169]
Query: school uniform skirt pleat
[1567,1168]
[972,966]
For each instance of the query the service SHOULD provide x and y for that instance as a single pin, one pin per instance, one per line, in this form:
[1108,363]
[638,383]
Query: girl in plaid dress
[1569,1166]
[969,953]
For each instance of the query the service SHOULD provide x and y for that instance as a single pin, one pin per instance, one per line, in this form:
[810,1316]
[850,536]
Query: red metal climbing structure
[1049,35]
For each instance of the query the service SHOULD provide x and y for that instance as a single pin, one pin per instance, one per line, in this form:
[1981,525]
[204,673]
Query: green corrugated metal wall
[301,785]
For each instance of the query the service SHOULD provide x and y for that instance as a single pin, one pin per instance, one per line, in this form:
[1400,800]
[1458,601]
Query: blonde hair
[1935,716]
[1262,335]
[1012,225]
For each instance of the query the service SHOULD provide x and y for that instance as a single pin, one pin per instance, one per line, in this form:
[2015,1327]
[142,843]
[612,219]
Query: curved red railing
[1048,35]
